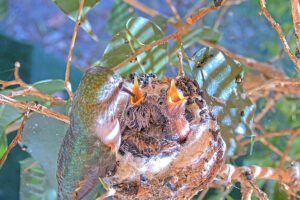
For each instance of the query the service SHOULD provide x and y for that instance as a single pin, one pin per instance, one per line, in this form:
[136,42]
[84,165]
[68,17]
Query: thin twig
[296,19]
[278,28]
[149,11]
[68,85]
[30,166]
[17,138]
[274,149]
[174,10]
[287,149]
[273,83]
[264,68]
[270,103]
[34,107]
[221,15]
[190,21]
[269,134]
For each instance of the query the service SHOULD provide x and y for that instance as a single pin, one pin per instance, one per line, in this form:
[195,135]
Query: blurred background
[38,35]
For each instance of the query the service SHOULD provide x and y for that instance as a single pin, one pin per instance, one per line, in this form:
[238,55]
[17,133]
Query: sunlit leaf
[120,13]
[3,143]
[138,31]
[49,86]
[70,8]
[34,184]
[43,135]
[220,77]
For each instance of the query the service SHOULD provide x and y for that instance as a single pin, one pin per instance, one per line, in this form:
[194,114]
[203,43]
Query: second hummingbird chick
[177,127]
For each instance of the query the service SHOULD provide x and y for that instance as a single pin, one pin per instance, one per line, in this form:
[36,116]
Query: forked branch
[278,28]
[28,90]
[290,177]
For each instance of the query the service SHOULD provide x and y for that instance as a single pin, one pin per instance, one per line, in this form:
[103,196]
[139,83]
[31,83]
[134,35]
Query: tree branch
[278,28]
[273,83]
[34,107]
[68,85]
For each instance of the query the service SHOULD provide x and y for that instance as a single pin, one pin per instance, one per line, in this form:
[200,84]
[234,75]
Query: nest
[166,152]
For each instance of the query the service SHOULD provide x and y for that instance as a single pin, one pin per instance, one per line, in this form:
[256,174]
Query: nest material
[154,162]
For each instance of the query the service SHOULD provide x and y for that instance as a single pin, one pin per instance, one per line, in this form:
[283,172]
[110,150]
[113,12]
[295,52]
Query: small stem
[133,50]
[30,166]
[287,150]
[270,103]
[181,72]
[18,137]
[68,85]
[173,10]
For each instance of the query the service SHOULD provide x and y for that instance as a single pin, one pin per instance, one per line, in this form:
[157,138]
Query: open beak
[138,95]
[175,99]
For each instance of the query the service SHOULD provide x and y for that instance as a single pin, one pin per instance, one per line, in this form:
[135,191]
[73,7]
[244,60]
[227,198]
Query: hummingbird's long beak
[175,100]
[138,95]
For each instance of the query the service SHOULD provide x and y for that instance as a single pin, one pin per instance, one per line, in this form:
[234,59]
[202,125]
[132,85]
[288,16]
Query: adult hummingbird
[88,150]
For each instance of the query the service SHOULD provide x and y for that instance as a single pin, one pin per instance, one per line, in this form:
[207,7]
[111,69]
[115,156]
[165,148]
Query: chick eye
[160,101]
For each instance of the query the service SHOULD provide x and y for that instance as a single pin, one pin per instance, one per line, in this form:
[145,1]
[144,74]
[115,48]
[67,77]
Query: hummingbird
[89,148]
[177,126]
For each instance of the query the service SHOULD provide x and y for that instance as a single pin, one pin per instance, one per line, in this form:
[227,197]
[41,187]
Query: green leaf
[43,136]
[220,77]
[3,143]
[120,13]
[278,192]
[34,184]
[50,86]
[161,21]
[138,31]
[3,8]
[70,8]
